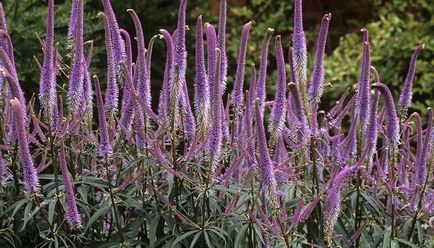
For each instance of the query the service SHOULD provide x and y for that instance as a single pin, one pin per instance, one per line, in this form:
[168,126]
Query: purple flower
[422,156]
[237,93]
[406,94]
[127,101]
[221,42]
[143,77]
[178,69]
[3,41]
[363,87]
[75,92]
[188,117]
[47,92]
[262,77]
[299,55]
[215,135]
[298,111]
[392,124]
[332,205]
[201,84]
[31,182]
[317,80]
[268,179]
[211,39]
[73,18]
[164,103]
[372,128]
[105,147]
[111,100]
[73,217]
[117,43]
[277,117]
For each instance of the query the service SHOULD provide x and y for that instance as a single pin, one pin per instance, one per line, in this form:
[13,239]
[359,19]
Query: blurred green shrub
[401,26]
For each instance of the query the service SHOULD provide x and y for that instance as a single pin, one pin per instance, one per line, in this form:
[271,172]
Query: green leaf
[406,242]
[102,210]
[182,237]
[240,236]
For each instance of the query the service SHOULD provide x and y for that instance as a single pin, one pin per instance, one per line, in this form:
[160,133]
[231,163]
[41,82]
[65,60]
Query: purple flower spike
[298,110]
[211,39]
[237,94]
[422,158]
[392,124]
[164,104]
[262,77]
[299,55]
[73,217]
[363,87]
[118,45]
[47,92]
[105,147]
[332,204]
[221,42]
[73,18]
[277,117]
[215,135]
[178,70]
[127,101]
[3,41]
[406,94]
[317,81]
[75,93]
[201,84]
[372,129]
[111,100]
[31,182]
[188,116]
[268,179]
[143,77]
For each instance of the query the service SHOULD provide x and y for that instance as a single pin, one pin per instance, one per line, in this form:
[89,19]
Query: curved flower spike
[392,124]
[262,76]
[299,55]
[105,146]
[363,87]
[317,80]
[422,158]
[201,84]
[406,94]
[31,181]
[111,99]
[72,215]
[47,92]
[221,42]
[277,117]
[237,93]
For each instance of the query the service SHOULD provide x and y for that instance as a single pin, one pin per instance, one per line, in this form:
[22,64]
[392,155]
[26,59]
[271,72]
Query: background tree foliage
[396,28]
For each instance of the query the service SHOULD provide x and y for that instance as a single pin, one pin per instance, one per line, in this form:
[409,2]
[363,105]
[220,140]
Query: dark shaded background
[396,27]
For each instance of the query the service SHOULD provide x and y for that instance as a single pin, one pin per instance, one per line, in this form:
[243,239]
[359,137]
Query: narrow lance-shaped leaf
[277,117]
[237,93]
[317,81]
[47,90]
[201,84]
[262,77]
[111,99]
[406,93]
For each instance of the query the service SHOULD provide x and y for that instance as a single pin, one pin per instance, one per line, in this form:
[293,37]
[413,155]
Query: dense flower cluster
[183,176]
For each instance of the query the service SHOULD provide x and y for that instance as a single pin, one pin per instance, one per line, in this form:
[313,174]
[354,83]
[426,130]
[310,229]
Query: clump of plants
[84,166]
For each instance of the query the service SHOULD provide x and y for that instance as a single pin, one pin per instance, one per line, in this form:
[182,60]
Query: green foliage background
[396,28]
